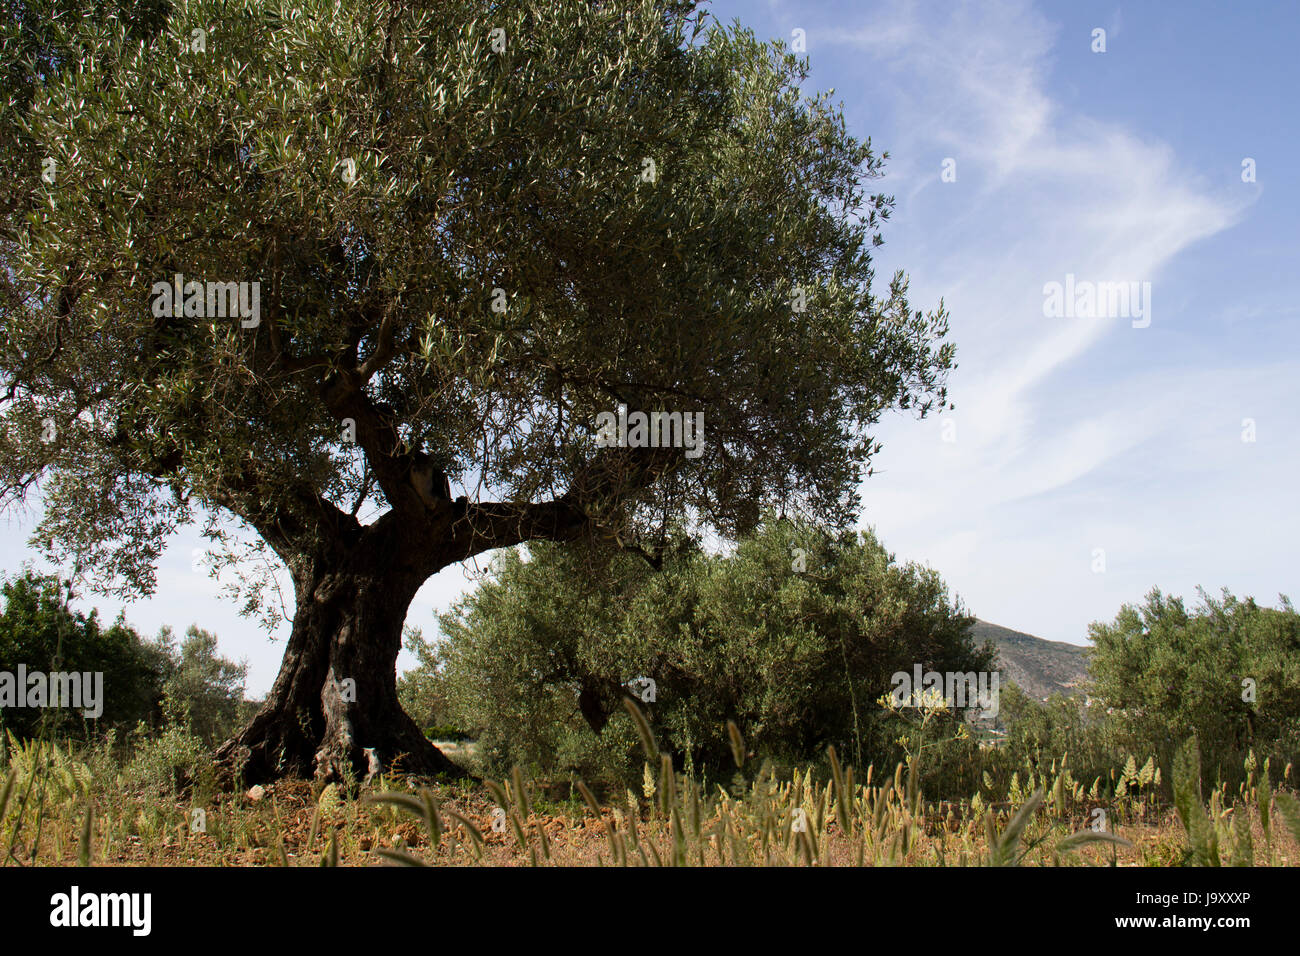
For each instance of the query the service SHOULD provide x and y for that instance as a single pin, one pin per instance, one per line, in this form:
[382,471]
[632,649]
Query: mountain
[1040,668]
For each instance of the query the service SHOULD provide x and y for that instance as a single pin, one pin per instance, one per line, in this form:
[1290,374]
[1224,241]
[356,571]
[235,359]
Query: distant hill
[1040,668]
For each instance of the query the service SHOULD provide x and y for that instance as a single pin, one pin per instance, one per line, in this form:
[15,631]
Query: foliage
[168,761]
[39,630]
[420,688]
[203,690]
[767,820]
[145,683]
[1227,672]
[1040,732]
[539,657]
[381,169]
[60,804]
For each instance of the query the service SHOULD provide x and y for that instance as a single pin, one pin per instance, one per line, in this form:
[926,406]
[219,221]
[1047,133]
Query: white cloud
[1044,425]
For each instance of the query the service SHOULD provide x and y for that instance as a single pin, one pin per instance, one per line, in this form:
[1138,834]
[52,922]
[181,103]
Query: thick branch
[379,439]
[503,524]
[608,480]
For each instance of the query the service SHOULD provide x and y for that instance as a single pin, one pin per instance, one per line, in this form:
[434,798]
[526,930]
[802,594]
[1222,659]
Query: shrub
[168,762]
[794,636]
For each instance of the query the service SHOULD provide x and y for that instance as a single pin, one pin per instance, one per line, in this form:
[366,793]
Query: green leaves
[1222,670]
[539,659]
[37,627]
[476,167]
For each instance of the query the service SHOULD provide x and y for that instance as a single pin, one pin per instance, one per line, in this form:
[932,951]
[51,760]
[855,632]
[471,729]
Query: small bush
[169,762]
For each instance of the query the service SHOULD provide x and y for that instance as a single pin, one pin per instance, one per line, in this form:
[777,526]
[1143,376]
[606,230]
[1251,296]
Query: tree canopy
[203,690]
[145,682]
[1227,671]
[521,169]
[40,632]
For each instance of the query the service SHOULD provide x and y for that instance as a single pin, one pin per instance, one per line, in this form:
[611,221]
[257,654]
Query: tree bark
[334,705]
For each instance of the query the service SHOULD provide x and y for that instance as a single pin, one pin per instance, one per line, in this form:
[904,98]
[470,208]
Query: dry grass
[60,806]
[292,823]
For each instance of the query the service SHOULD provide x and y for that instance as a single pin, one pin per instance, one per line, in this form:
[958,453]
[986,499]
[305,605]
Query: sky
[1090,457]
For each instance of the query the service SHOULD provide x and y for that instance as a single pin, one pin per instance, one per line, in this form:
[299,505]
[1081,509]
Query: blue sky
[1071,435]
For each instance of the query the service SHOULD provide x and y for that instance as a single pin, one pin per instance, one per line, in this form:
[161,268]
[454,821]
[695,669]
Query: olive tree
[371,281]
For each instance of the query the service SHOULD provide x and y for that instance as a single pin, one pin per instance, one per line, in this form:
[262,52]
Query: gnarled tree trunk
[333,712]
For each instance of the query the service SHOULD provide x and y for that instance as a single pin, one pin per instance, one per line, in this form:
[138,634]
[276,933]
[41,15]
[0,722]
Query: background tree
[794,636]
[203,690]
[474,227]
[1064,729]
[1228,672]
[421,689]
[39,630]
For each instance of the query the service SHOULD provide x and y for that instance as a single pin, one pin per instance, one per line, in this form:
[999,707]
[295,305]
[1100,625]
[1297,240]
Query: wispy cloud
[1041,191]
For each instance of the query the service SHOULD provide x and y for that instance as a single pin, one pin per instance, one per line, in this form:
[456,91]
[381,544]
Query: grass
[63,806]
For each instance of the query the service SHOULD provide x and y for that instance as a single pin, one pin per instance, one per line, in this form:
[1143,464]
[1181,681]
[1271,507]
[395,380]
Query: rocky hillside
[1040,668]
